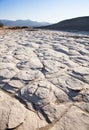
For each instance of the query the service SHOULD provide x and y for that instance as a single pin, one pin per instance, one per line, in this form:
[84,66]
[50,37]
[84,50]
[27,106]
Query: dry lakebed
[44,80]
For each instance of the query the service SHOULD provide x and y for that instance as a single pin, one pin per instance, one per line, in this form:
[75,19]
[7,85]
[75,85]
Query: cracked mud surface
[44,80]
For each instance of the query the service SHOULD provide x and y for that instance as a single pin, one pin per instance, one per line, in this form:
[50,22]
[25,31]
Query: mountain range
[79,23]
[24,23]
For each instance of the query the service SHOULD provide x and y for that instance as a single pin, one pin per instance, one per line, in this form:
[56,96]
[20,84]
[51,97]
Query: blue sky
[43,10]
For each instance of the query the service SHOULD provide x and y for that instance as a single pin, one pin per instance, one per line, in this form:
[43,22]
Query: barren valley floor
[44,80]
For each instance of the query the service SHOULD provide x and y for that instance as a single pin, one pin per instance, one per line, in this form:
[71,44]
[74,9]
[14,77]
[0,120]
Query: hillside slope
[80,23]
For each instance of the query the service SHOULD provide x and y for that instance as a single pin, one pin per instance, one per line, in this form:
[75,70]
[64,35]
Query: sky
[51,11]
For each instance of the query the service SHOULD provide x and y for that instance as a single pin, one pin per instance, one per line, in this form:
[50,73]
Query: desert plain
[44,80]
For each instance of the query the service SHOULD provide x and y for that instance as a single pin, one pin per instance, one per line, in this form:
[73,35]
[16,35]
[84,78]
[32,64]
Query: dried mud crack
[44,80]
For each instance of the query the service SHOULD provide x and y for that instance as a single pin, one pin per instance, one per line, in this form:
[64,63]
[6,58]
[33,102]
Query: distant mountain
[24,23]
[80,24]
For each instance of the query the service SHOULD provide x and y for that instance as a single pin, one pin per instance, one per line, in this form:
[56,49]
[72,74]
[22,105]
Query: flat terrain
[44,80]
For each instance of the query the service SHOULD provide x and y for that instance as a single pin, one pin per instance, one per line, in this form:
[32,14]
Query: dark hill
[80,24]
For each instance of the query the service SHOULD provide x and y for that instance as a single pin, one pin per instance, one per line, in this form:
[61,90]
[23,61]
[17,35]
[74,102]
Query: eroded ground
[44,80]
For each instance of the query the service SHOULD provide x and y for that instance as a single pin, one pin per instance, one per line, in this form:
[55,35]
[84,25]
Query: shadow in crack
[2,81]
[73,93]
[9,88]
